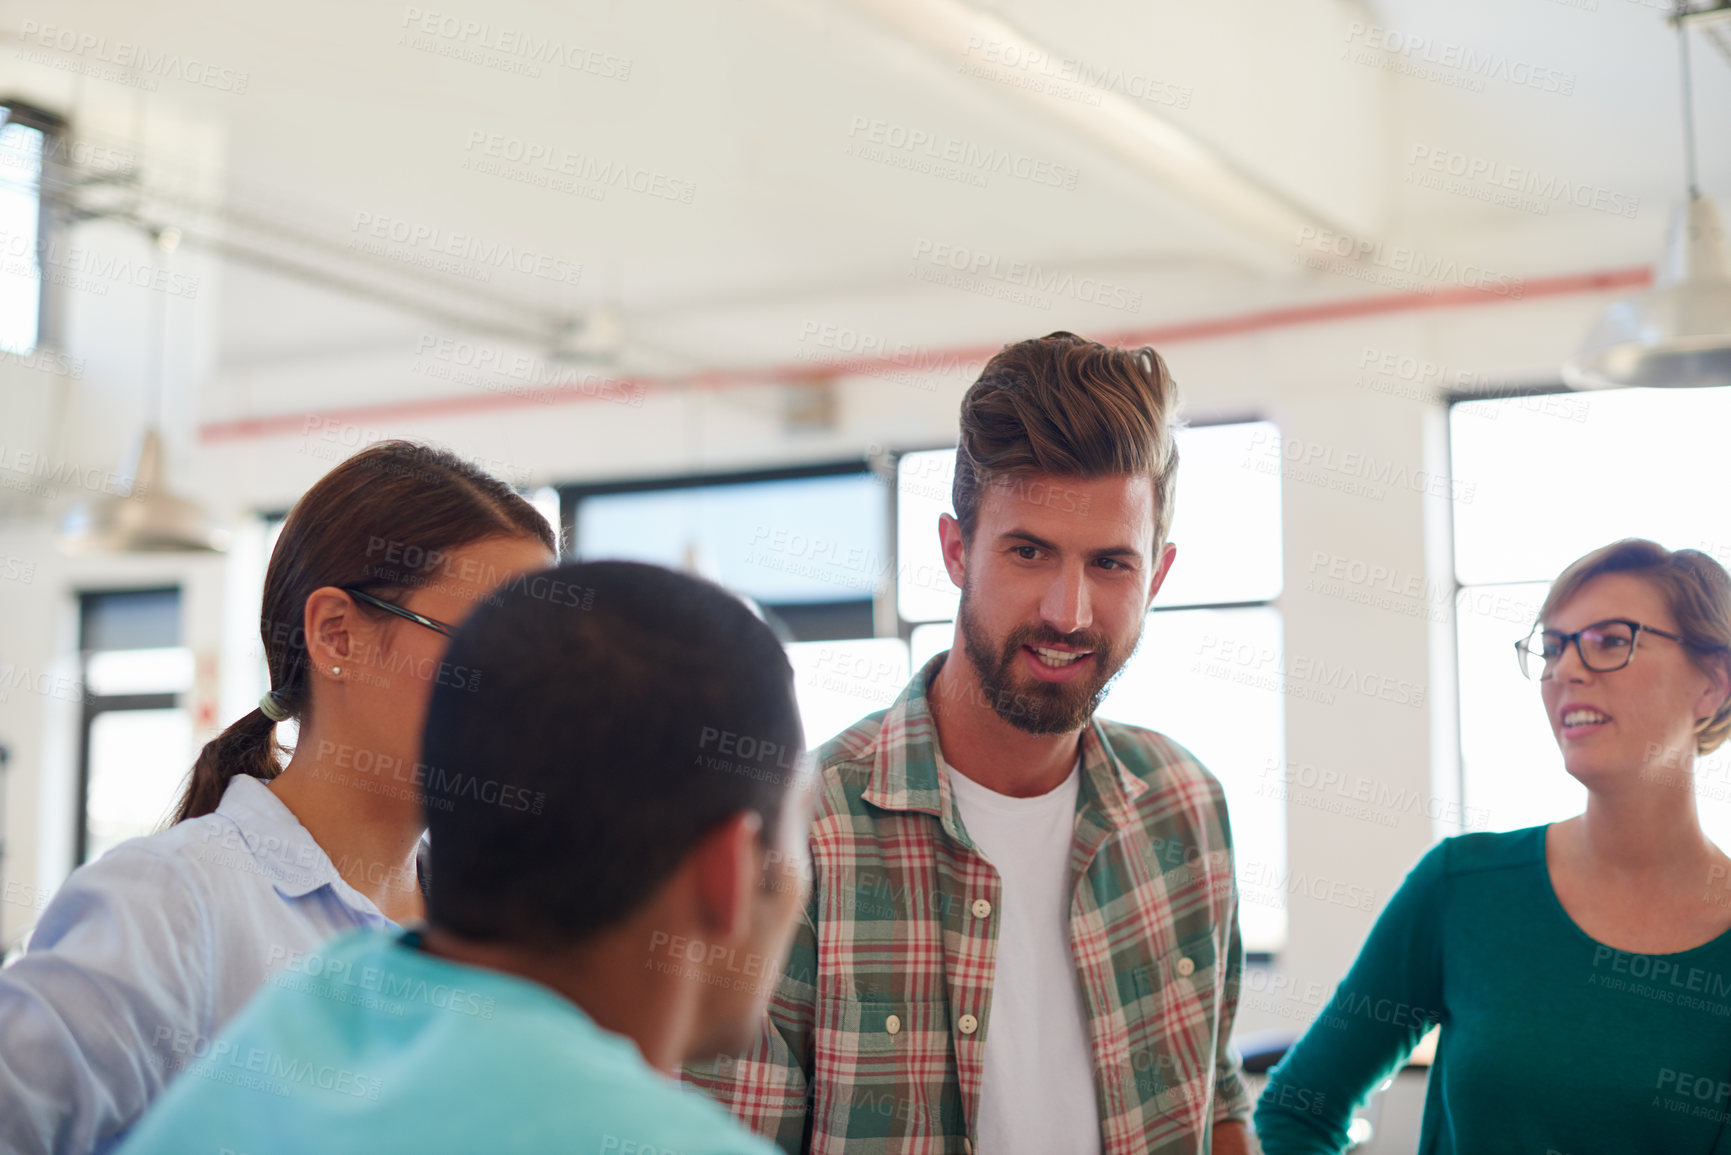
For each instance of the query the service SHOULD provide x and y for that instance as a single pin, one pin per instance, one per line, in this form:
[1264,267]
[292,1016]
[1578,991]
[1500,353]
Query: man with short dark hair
[618,823]
[1022,937]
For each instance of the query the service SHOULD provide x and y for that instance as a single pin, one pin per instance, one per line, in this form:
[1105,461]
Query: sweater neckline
[1540,834]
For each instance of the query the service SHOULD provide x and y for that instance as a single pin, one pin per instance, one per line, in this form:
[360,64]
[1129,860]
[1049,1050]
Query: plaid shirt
[876,1031]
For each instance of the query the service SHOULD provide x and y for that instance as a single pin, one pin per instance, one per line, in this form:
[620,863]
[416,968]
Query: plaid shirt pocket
[1172,1030]
[885,1077]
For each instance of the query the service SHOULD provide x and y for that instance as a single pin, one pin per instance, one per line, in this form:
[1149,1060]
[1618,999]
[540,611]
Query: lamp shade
[1676,334]
[148,519]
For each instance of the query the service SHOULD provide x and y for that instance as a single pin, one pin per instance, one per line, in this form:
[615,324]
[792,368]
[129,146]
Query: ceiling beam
[1133,133]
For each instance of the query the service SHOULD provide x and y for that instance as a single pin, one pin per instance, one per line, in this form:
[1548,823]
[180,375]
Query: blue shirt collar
[285,851]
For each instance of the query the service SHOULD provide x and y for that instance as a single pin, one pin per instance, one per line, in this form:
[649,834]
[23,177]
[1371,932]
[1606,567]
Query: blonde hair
[1696,588]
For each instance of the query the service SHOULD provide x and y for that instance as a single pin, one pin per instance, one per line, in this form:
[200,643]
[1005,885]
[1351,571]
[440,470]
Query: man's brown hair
[1069,407]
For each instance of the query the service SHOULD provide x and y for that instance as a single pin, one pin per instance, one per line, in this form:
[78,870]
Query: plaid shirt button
[968,1023]
[893,1025]
[1186,968]
[982,908]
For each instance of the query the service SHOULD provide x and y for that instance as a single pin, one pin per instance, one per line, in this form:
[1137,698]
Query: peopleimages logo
[495,154]
[531,378]
[1261,667]
[65,150]
[1515,185]
[1033,280]
[44,360]
[152,62]
[1316,462]
[974,160]
[1449,62]
[527,47]
[58,472]
[856,353]
[1068,77]
[372,229]
[87,269]
[1407,260]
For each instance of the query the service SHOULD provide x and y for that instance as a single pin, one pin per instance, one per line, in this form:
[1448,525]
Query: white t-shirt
[1037,1090]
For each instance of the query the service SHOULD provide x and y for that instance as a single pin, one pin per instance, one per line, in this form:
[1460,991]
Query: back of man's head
[573,776]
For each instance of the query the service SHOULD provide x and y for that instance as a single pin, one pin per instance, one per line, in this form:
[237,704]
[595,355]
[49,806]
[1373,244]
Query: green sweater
[1551,1044]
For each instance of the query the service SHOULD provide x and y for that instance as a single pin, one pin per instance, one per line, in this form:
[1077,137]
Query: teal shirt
[1551,1043]
[372,1045]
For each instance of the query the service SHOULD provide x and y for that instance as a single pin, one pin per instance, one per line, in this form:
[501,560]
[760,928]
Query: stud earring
[336,671]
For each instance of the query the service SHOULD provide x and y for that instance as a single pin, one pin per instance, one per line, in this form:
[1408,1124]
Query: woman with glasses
[144,954]
[1580,971]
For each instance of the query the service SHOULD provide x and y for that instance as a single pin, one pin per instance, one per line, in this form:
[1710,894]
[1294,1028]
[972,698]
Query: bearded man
[1022,936]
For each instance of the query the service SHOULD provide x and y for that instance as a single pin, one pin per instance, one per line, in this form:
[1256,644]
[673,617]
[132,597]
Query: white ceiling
[755,103]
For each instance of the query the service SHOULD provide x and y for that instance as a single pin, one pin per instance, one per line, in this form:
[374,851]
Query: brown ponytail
[247,747]
[391,501]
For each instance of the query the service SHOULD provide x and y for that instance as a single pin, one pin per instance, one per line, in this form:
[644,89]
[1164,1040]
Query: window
[546,501]
[251,607]
[1218,598]
[26,143]
[1552,476]
[808,545]
[841,681]
[137,737]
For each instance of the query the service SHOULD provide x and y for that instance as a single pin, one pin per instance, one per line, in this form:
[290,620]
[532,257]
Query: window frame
[52,126]
[1452,398]
[572,495]
[92,706]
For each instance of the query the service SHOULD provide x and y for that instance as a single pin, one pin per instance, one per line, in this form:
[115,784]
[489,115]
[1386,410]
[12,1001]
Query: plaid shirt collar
[905,773]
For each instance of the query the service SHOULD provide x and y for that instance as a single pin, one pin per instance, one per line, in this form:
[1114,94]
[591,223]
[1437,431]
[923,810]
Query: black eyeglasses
[1603,646]
[418,619]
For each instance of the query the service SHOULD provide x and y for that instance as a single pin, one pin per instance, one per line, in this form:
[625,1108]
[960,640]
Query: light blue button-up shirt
[144,954]
[377,1046]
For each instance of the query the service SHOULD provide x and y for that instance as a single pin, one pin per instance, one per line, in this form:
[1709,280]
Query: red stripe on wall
[283,424]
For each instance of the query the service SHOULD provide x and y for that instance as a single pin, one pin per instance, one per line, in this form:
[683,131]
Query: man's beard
[1025,702]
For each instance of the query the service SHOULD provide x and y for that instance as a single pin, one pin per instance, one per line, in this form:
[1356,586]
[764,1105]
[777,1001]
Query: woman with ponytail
[144,954]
